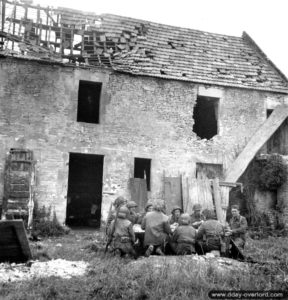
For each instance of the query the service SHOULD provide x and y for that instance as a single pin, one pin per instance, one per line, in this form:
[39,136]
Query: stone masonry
[139,117]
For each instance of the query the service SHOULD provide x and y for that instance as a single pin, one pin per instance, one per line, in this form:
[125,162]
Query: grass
[109,277]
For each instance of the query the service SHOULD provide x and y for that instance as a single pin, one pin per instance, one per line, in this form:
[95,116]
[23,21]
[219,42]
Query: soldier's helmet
[149,204]
[184,219]
[123,211]
[211,214]
[176,208]
[131,204]
[119,201]
[197,207]
[159,205]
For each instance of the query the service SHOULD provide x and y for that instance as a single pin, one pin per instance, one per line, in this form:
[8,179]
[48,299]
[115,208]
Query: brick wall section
[140,117]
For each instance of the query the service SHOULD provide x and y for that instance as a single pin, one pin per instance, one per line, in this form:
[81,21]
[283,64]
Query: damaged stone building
[92,106]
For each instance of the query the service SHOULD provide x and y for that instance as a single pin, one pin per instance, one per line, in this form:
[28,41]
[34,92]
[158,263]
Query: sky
[266,21]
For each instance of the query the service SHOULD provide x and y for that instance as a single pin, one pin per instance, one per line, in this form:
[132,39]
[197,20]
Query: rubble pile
[219,265]
[58,267]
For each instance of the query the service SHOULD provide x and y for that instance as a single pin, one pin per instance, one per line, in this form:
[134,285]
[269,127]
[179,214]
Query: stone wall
[139,117]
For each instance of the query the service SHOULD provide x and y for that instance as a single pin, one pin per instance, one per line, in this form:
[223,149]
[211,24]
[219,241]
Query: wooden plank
[217,200]
[267,129]
[13,30]
[138,191]
[224,191]
[185,192]
[14,245]
[3,16]
[172,193]
[71,41]
[22,238]
[61,50]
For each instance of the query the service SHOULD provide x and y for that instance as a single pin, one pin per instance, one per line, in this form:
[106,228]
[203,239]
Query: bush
[44,226]
[271,173]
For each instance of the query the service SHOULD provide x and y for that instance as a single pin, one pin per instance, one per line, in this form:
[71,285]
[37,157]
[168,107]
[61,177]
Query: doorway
[84,197]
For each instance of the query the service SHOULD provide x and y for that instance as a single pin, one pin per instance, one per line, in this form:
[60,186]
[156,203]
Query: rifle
[108,218]
[110,236]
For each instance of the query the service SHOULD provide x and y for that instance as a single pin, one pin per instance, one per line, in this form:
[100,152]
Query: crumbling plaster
[140,117]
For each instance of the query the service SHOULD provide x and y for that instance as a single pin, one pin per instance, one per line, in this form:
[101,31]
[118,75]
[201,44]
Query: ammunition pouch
[122,239]
[125,239]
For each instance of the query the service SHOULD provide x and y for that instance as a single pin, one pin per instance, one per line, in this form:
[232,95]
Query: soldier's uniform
[196,218]
[148,208]
[133,216]
[173,218]
[184,236]
[238,227]
[123,237]
[157,230]
[119,201]
[210,234]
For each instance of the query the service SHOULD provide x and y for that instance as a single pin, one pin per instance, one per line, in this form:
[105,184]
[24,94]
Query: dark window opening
[206,117]
[268,112]
[84,197]
[142,167]
[89,101]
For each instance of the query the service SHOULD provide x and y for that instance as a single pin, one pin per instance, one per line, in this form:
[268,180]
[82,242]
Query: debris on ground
[58,267]
[219,265]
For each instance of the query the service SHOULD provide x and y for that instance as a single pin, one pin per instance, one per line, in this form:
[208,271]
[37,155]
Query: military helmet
[119,201]
[159,205]
[211,214]
[148,204]
[197,207]
[131,204]
[176,208]
[184,219]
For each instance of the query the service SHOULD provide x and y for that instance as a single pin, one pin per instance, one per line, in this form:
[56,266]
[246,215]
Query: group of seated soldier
[178,234]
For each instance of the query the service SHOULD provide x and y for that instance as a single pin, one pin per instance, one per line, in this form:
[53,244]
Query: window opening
[268,112]
[89,101]
[142,167]
[205,116]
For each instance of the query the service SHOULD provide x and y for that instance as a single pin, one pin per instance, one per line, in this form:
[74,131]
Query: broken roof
[142,48]
[192,55]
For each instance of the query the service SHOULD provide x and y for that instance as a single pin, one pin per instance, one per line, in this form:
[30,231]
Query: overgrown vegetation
[45,223]
[269,174]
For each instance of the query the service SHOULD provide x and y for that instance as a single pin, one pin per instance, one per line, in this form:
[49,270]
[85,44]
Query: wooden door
[172,193]
[138,190]
[18,182]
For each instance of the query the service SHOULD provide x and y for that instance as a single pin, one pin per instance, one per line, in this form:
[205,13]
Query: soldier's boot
[117,252]
[149,251]
[159,251]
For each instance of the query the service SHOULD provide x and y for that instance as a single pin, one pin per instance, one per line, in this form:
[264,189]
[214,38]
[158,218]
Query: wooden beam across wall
[265,131]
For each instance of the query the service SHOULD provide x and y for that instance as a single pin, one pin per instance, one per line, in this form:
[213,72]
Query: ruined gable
[137,47]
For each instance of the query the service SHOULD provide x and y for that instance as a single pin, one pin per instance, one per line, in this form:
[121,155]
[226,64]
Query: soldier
[121,233]
[197,218]
[118,202]
[148,208]
[157,230]
[175,215]
[238,226]
[210,233]
[184,236]
[133,216]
